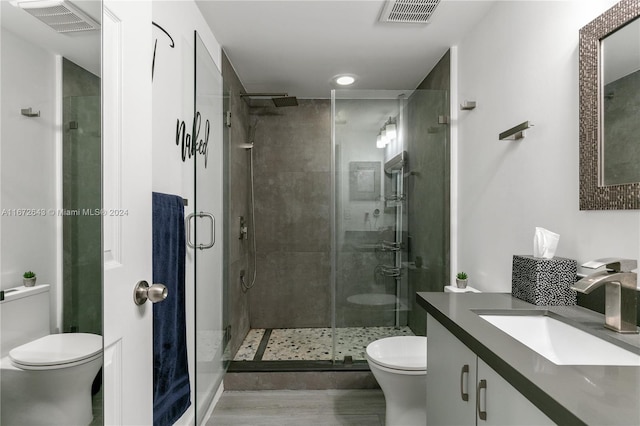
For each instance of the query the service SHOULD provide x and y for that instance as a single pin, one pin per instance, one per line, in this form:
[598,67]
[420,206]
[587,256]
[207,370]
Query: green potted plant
[29,279]
[461,279]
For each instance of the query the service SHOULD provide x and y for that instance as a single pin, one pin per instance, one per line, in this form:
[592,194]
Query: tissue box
[544,281]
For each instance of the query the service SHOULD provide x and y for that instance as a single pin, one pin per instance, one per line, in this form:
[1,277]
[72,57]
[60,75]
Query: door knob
[143,292]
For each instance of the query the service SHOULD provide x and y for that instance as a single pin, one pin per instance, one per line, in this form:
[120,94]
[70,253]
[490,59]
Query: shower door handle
[212,238]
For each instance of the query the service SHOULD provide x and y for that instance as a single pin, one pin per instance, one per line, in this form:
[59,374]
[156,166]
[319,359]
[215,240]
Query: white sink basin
[561,343]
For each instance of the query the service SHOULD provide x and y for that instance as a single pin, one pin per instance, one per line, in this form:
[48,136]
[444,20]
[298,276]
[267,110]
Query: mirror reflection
[620,101]
[50,224]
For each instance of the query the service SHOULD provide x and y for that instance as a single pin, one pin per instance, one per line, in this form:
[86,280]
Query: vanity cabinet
[463,390]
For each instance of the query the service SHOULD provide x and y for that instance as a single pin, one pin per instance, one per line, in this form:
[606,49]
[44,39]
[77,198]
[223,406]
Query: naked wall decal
[155,47]
[192,144]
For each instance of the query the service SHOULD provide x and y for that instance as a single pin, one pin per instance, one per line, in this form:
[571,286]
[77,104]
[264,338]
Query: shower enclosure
[348,228]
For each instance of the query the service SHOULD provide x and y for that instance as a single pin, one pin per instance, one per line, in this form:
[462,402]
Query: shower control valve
[244,231]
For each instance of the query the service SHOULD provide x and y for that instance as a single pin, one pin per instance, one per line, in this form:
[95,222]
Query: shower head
[278,99]
[285,101]
[245,146]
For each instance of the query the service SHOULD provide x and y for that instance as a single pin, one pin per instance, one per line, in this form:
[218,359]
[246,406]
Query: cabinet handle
[482,384]
[465,370]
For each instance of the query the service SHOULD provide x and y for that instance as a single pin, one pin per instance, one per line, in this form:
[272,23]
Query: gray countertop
[568,394]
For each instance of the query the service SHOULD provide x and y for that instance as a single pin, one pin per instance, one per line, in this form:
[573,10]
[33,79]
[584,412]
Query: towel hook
[143,292]
[28,112]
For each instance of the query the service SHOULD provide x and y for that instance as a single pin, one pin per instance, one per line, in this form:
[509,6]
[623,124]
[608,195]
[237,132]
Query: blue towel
[171,387]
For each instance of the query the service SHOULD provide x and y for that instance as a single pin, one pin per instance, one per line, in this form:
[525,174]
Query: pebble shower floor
[313,344]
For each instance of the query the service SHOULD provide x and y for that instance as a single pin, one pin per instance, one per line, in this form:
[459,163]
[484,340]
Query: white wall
[28,164]
[173,99]
[521,63]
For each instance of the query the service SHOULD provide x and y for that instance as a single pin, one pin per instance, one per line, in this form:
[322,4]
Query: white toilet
[399,364]
[45,378]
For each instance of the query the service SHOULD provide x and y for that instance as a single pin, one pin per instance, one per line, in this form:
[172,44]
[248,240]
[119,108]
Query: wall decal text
[192,144]
[155,46]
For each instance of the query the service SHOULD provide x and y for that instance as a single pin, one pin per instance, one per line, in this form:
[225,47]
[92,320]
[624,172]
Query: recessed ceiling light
[345,80]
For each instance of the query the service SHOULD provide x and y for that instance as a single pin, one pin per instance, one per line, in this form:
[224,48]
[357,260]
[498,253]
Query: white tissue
[545,243]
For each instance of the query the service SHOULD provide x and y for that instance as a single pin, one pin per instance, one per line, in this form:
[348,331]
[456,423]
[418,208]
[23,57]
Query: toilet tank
[24,316]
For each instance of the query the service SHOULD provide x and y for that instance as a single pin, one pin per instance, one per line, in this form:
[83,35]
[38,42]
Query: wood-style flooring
[300,408]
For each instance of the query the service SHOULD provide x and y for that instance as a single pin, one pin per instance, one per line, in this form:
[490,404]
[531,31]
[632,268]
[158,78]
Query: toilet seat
[402,353]
[57,351]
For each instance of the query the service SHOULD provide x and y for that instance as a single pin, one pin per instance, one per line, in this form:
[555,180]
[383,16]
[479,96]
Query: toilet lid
[57,349]
[399,352]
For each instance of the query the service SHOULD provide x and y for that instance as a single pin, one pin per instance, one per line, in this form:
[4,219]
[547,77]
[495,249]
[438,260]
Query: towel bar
[517,132]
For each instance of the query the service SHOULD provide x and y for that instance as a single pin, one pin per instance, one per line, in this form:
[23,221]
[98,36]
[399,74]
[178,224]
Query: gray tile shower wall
[292,154]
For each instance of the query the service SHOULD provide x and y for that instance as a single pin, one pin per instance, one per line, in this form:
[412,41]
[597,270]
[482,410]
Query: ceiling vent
[60,15]
[408,11]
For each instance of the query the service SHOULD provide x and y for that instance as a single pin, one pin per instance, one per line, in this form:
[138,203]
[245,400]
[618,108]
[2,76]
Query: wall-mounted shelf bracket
[28,112]
[468,105]
[515,133]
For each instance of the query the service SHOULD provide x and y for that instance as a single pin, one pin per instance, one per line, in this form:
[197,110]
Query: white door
[126,79]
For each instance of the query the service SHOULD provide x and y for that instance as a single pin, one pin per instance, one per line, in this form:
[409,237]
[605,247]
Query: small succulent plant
[29,274]
[462,276]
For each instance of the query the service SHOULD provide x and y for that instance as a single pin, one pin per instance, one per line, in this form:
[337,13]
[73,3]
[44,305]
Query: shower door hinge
[228,119]
[227,334]
[443,119]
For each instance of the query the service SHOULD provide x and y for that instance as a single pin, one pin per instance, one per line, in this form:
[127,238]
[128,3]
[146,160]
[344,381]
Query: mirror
[620,100]
[51,178]
[609,151]
[364,180]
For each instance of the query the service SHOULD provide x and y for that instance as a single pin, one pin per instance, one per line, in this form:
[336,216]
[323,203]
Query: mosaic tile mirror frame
[593,195]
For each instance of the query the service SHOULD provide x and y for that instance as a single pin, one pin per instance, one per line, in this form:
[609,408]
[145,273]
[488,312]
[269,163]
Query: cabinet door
[502,403]
[451,374]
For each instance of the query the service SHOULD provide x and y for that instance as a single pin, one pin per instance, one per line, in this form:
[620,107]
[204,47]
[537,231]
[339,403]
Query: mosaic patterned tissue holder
[544,282]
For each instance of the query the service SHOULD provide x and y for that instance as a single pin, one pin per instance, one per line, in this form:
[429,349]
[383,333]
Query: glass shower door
[209,132]
[427,198]
[390,224]
[82,227]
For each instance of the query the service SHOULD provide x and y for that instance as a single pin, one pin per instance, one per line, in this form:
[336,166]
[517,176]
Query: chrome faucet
[620,291]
